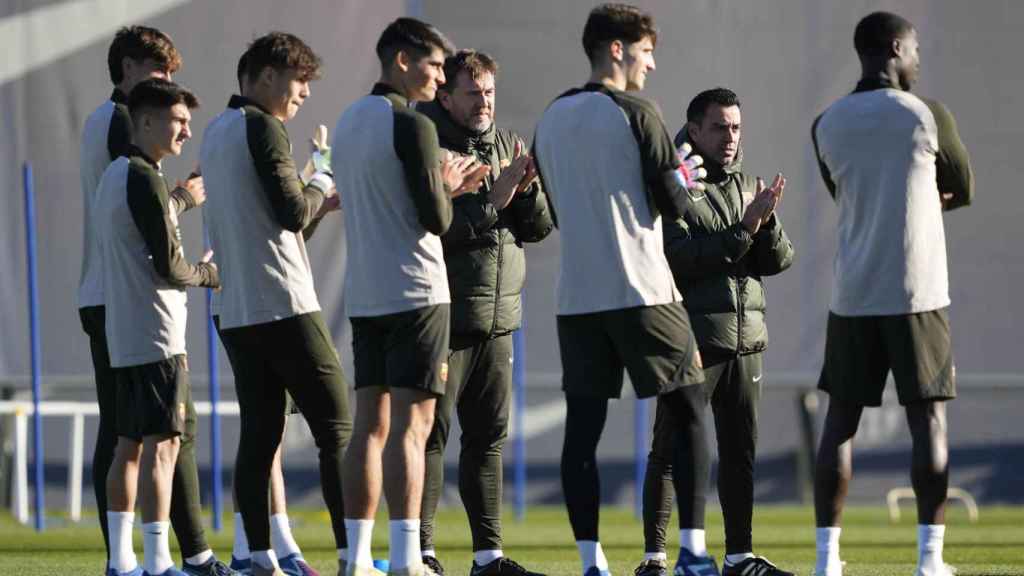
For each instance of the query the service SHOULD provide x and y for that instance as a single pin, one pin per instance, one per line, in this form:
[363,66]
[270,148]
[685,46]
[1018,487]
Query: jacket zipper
[739,283]
[497,284]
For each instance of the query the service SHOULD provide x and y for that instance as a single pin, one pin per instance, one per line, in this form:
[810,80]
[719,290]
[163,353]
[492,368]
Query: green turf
[870,544]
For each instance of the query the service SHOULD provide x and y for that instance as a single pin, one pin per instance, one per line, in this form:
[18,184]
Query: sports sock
[656,556]
[241,547]
[930,538]
[732,559]
[693,540]
[591,554]
[265,558]
[281,536]
[359,533]
[156,549]
[485,557]
[122,554]
[404,543]
[199,559]
[429,552]
[827,545]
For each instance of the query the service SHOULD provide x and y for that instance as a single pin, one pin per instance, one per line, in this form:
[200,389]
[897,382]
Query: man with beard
[484,256]
[729,238]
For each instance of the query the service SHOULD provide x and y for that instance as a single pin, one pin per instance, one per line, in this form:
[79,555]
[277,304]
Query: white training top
[591,147]
[880,148]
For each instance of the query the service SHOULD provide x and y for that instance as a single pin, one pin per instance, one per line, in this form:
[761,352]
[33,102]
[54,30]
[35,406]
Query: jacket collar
[136,151]
[119,97]
[237,102]
[454,135]
[875,83]
[388,91]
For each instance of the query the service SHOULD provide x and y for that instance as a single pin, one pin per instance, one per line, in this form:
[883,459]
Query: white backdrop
[787,60]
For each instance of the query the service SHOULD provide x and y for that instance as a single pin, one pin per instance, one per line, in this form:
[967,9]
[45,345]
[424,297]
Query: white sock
[485,557]
[343,554]
[592,555]
[156,548]
[733,559]
[430,552]
[265,558]
[929,547]
[359,533]
[241,547]
[404,543]
[827,544]
[655,556]
[693,540]
[199,559]
[122,554]
[281,536]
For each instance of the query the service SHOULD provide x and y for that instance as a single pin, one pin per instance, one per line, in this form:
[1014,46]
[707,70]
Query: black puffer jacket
[718,265]
[483,248]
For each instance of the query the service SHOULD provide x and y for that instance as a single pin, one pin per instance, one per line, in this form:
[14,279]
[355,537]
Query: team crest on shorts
[444,372]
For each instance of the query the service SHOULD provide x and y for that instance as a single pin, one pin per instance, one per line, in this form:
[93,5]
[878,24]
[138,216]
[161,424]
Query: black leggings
[294,354]
[733,384]
[585,419]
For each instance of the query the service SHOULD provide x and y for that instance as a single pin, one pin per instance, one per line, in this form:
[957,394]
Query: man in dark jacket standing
[483,252]
[726,241]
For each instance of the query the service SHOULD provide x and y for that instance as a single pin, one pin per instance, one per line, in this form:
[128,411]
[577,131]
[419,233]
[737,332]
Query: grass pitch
[870,544]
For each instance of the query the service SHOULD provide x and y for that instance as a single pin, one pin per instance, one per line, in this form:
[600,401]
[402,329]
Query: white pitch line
[36,38]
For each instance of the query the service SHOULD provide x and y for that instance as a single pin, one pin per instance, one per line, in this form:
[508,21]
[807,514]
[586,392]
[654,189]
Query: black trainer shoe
[501,567]
[211,567]
[756,566]
[434,564]
[652,567]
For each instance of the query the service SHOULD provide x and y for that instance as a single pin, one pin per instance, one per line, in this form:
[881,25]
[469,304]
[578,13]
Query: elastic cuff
[322,181]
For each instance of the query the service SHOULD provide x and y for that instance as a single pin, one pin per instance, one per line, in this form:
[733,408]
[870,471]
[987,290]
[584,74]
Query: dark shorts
[861,350]
[153,399]
[403,350]
[653,343]
[234,358]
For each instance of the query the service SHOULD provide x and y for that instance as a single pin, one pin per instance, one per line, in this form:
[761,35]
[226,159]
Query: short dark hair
[281,51]
[609,22]
[474,63]
[160,94]
[141,43]
[240,70]
[412,35]
[699,105]
[876,31]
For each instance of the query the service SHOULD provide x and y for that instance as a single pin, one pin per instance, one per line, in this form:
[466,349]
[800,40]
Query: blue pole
[215,455]
[641,421]
[33,323]
[519,398]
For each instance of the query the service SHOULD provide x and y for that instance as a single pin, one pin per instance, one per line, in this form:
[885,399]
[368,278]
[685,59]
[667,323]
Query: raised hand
[194,187]
[510,181]
[690,167]
[777,188]
[462,174]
